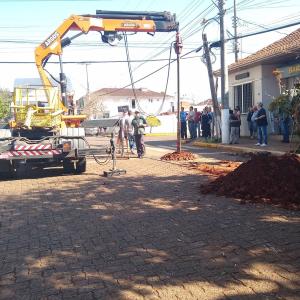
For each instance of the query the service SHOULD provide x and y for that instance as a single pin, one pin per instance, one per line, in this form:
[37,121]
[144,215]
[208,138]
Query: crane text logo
[51,38]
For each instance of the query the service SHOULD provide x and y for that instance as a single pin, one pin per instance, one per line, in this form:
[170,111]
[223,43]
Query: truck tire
[20,171]
[68,166]
[6,170]
[81,165]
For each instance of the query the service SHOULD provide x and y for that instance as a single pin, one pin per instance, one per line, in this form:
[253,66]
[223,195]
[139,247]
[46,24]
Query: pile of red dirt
[183,155]
[264,179]
[217,169]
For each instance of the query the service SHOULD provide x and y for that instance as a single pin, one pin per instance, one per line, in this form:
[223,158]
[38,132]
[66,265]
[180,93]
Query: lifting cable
[132,81]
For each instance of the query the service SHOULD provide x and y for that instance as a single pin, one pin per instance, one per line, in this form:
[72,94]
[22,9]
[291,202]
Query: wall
[153,106]
[270,85]
[265,88]
[255,77]
[270,90]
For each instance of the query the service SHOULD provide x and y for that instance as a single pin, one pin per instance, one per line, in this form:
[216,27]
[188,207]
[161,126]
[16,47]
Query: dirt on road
[264,179]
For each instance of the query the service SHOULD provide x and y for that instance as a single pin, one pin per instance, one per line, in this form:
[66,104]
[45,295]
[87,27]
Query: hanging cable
[167,81]
[130,74]
[132,81]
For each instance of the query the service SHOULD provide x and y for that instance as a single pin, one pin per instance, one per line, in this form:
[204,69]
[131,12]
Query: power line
[184,55]
[96,61]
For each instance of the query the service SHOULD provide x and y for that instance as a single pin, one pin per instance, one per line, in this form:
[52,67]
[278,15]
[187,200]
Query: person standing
[285,121]
[211,117]
[191,122]
[183,128]
[139,123]
[253,120]
[197,120]
[235,124]
[250,124]
[205,124]
[262,125]
[122,136]
[130,133]
[237,112]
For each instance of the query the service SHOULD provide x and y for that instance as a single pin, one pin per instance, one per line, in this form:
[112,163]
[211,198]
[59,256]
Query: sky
[24,24]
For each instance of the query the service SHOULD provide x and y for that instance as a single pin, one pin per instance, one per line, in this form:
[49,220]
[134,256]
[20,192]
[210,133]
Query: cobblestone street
[148,234]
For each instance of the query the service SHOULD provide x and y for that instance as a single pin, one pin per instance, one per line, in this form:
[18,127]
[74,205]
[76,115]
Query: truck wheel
[6,170]
[20,171]
[81,165]
[68,166]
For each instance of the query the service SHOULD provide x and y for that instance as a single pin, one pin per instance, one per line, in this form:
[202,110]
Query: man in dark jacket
[250,123]
[139,123]
[262,125]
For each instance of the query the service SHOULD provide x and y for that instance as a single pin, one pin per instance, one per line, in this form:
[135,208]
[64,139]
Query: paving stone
[145,235]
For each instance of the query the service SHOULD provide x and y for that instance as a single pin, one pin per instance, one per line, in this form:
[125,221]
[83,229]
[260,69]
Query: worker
[139,123]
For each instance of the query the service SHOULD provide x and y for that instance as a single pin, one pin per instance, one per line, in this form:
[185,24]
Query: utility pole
[225,110]
[236,50]
[217,113]
[178,49]
[222,40]
[87,87]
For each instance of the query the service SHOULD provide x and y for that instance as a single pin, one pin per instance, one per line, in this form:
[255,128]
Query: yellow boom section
[52,45]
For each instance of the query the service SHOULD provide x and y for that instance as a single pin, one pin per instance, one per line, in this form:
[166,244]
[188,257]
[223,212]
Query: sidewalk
[247,145]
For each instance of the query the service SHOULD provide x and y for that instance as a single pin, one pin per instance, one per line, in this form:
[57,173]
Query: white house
[111,102]
[260,76]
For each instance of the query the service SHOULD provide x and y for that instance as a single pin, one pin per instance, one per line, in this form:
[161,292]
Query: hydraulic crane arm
[108,23]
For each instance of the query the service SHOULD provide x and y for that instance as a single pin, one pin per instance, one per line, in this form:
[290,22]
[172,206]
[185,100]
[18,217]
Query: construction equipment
[44,131]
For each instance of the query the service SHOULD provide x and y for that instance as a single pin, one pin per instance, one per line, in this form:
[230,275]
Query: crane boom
[108,23]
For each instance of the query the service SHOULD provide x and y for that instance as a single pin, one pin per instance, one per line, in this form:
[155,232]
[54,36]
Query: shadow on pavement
[129,237]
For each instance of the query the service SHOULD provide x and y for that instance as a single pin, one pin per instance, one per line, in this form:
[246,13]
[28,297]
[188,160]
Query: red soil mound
[183,155]
[264,178]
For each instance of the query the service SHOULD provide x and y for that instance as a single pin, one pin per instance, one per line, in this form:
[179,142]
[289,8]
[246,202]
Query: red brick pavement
[146,235]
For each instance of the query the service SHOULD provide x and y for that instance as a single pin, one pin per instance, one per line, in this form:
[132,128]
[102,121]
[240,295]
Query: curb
[236,149]
[161,134]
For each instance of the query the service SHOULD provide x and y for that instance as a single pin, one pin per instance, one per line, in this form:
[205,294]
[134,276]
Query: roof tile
[141,92]
[283,46]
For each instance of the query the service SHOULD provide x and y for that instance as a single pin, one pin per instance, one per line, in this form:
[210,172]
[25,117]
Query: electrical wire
[95,61]
[183,31]
[132,81]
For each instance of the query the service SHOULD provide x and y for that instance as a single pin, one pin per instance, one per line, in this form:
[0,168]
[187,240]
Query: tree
[94,107]
[5,100]
[287,104]
[153,121]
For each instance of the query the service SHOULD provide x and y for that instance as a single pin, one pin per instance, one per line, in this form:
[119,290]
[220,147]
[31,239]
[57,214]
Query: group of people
[198,123]
[131,133]
[257,124]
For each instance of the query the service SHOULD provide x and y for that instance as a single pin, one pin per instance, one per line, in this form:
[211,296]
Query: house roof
[141,92]
[205,102]
[283,49]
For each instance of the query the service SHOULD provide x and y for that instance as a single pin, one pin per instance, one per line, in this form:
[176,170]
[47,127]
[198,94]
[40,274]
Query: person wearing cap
[139,123]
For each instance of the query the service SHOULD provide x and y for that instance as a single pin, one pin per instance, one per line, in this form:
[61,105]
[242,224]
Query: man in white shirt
[130,132]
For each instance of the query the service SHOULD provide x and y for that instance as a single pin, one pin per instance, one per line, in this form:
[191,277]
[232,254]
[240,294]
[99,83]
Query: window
[133,103]
[243,96]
